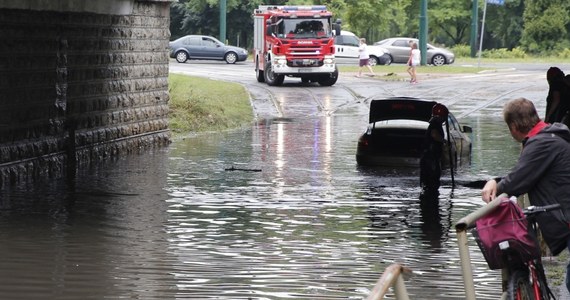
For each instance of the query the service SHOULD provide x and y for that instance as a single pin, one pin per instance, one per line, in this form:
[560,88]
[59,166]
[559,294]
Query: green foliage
[461,50]
[518,52]
[504,53]
[449,21]
[565,54]
[199,104]
[545,25]
[537,26]
[503,24]
[361,14]
[203,17]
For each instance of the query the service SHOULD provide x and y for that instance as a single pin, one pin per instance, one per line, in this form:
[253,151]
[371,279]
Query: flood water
[295,219]
[278,210]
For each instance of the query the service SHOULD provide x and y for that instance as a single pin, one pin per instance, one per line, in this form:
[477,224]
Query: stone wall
[77,87]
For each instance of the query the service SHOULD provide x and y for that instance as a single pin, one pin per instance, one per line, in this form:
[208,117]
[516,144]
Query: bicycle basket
[503,237]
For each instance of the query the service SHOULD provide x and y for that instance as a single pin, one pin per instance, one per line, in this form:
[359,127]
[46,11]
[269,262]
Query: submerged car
[205,47]
[399,49]
[396,133]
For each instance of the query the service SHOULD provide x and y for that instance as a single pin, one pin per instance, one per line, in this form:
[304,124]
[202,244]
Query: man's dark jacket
[543,171]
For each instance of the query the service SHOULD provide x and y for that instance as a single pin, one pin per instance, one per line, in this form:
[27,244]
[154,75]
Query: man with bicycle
[542,171]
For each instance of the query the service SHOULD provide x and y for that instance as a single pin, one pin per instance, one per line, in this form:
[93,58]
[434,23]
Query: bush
[564,54]
[504,53]
[461,50]
[518,52]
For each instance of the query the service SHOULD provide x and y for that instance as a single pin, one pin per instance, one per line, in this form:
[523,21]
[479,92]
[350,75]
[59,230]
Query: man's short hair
[521,114]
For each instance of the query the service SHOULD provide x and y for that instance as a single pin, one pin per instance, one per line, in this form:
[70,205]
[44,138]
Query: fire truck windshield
[303,28]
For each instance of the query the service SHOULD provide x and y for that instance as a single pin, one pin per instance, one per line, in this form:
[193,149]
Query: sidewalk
[555,268]
[561,292]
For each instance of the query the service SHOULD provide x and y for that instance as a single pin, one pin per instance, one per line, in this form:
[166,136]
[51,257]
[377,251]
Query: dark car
[205,47]
[399,49]
[396,132]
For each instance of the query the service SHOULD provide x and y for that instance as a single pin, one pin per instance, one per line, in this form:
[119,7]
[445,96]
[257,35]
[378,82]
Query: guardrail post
[392,276]
[461,228]
[466,265]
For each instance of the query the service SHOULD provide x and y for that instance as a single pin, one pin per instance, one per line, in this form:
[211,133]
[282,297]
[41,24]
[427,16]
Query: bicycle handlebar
[531,210]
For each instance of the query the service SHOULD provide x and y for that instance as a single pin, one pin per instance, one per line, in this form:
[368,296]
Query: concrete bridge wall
[80,81]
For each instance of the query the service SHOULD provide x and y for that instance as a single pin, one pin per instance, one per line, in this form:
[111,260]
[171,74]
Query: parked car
[347,44]
[399,49]
[396,132]
[205,47]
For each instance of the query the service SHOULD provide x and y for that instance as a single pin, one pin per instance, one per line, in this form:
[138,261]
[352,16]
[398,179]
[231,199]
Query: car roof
[402,38]
[196,35]
[344,32]
[397,38]
[400,108]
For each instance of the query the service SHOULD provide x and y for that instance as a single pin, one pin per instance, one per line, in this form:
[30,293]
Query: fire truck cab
[294,41]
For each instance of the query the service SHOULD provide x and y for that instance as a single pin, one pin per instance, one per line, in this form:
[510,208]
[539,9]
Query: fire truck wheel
[271,78]
[231,57]
[329,80]
[181,56]
[259,73]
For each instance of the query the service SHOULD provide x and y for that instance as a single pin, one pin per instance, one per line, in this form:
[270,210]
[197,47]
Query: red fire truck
[294,41]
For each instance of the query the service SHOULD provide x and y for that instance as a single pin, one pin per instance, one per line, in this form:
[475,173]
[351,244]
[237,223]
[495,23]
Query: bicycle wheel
[519,286]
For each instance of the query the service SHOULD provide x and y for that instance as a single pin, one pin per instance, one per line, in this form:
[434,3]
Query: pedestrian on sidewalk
[413,62]
[364,59]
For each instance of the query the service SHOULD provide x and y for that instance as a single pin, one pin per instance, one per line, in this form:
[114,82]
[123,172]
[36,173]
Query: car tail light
[363,141]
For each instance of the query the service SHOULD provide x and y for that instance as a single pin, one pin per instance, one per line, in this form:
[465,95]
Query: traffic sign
[498,2]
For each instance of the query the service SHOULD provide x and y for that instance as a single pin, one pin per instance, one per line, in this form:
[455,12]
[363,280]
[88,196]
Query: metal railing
[461,227]
[392,277]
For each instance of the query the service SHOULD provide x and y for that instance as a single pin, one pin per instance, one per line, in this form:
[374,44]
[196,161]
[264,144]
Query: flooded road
[275,211]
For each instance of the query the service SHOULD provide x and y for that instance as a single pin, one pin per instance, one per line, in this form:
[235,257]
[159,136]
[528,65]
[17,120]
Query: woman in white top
[364,58]
[413,61]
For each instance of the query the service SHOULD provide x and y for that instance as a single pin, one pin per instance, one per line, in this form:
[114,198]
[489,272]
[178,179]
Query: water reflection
[176,223]
[433,231]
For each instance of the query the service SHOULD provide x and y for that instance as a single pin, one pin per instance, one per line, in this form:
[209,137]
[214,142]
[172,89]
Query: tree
[546,25]
[449,21]
[177,11]
[367,18]
[203,17]
[504,25]
[543,27]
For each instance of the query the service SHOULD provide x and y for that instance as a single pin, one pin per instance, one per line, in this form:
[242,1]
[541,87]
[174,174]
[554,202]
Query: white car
[347,44]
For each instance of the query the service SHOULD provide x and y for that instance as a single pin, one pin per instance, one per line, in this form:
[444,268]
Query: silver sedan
[399,49]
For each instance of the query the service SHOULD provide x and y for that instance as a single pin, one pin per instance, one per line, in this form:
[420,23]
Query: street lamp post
[474,26]
[223,21]
[423,31]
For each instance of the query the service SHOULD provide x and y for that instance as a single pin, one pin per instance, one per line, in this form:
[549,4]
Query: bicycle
[525,277]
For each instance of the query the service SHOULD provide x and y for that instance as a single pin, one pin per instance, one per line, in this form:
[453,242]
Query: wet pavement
[276,211]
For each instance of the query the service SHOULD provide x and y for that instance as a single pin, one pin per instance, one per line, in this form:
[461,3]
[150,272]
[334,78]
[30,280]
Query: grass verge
[556,269]
[199,104]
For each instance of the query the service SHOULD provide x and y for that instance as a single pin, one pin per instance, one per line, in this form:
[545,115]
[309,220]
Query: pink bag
[504,230]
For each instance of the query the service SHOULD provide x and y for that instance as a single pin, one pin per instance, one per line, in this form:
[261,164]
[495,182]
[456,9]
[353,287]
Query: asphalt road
[466,94]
